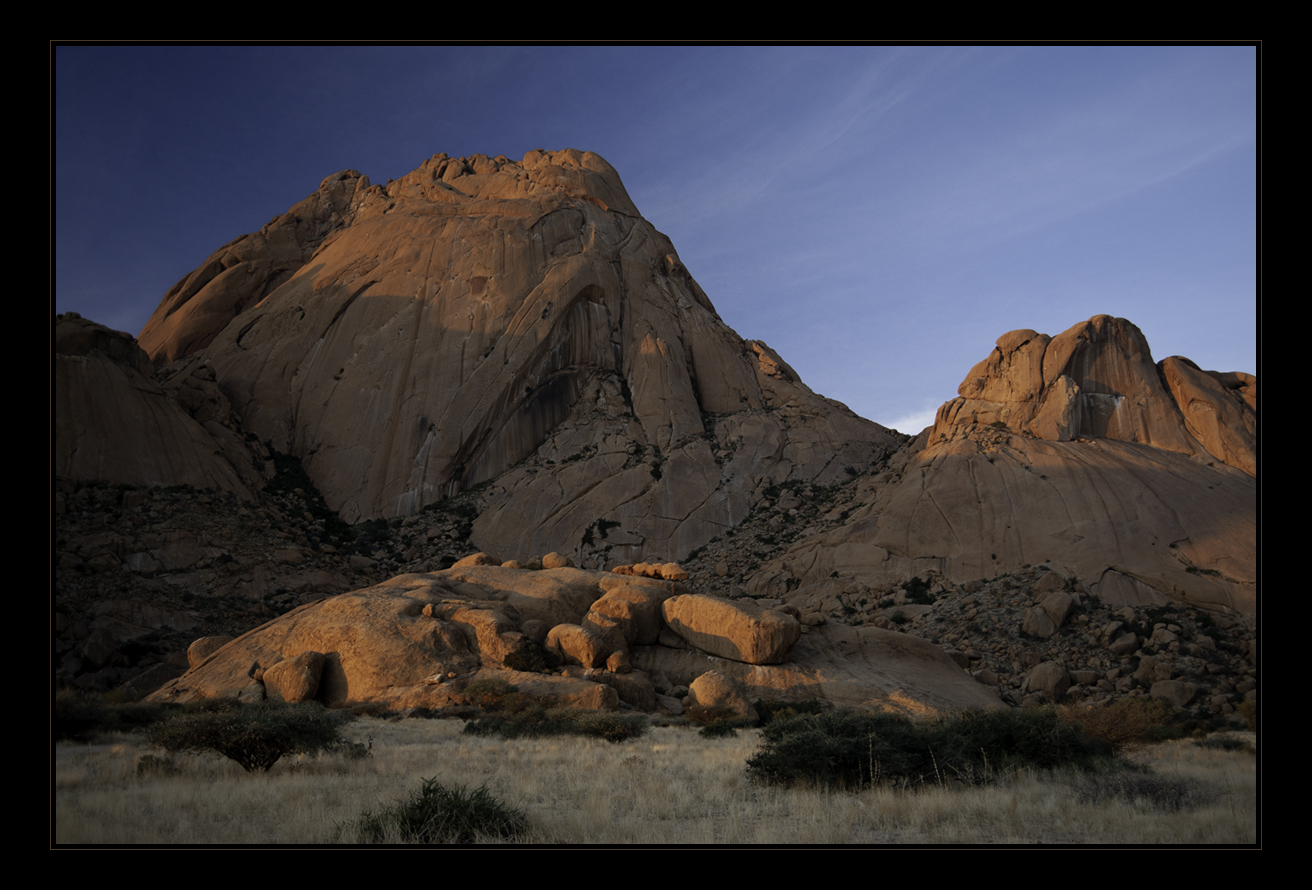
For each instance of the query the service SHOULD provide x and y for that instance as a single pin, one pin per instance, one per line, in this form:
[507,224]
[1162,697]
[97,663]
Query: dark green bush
[607,725]
[851,749]
[1160,792]
[610,726]
[533,658]
[719,730]
[772,709]
[254,735]
[81,717]
[435,814]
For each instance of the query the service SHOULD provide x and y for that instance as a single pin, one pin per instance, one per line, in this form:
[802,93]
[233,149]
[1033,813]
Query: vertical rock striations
[1076,452]
[479,321]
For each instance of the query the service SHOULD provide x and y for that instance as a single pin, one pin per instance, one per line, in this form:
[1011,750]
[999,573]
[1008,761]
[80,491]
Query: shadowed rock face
[1076,452]
[411,340]
[114,420]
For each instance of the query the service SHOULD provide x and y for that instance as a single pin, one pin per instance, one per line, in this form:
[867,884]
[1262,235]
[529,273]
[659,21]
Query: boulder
[295,679]
[716,693]
[1049,678]
[204,647]
[575,644]
[636,609]
[735,629]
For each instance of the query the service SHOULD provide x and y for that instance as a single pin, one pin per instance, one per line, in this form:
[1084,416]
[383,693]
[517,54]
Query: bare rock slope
[1076,453]
[115,421]
[480,320]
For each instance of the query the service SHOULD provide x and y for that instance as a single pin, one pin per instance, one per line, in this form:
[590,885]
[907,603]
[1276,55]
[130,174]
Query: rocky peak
[478,320]
[1098,380]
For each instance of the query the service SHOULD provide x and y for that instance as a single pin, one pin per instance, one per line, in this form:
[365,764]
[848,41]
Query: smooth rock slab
[742,631]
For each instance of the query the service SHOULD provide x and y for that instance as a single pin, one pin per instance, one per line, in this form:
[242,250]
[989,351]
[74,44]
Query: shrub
[495,694]
[719,730]
[849,749]
[607,725]
[78,717]
[533,658]
[82,716]
[435,814]
[1125,725]
[772,709]
[254,735]
[1160,792]
[536,722]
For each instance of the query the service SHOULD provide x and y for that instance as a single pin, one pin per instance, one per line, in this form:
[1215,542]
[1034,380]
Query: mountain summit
[417,339]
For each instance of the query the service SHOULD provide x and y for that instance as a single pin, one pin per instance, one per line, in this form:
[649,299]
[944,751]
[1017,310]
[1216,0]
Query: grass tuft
[436,814]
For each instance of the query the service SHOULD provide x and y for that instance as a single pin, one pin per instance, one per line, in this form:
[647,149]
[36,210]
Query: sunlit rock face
[519,325]
[1076,452]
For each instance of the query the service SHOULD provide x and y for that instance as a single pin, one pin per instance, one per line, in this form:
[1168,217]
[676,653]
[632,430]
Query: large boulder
[737,629]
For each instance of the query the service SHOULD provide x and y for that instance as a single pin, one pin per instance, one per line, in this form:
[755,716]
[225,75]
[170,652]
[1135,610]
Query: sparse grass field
[669,787]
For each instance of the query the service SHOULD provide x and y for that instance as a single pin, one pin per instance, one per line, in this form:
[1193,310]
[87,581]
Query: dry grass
[671,787]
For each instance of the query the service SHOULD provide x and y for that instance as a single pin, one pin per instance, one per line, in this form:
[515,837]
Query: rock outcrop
[115,422]
[1098,381]
[1071,453]
[483,321]
[418,640]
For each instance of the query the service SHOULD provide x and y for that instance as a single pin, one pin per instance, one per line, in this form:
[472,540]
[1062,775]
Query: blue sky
[878,215]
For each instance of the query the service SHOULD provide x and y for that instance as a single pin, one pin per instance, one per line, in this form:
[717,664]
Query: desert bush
[772,709]
[1160,792]
[495,694]
[78,717]
[81,717]
[722,729]
[1125,725]
[850,749]
[537,722]
[607,725]
[254,735]
[533,658]
[436,814]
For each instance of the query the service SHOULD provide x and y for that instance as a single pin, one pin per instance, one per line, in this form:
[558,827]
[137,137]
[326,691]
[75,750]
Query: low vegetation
[254,735]
[808,776]
[853,749]
[509,714]
[437,814]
